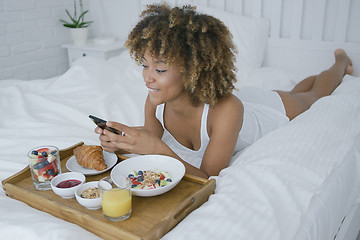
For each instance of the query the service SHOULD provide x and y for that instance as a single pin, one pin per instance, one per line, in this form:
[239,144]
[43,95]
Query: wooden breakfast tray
[151,218]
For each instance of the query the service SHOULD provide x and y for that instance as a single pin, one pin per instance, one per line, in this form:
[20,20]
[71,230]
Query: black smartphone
[101,123]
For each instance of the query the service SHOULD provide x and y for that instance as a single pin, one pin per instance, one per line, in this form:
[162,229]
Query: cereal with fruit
[44,165]
[149,179]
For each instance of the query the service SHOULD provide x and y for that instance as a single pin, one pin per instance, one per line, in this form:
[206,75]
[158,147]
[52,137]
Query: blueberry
[40,165]
[134,185]
[157,181]
[140,172]
[53,153]
[140,178]
[50,172]
[44,154]
[34,152]
[130,175]
[169,180]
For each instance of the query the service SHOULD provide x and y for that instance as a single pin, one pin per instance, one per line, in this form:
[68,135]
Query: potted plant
[77,24]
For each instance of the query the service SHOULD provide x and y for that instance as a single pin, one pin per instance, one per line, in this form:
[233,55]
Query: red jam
[68,183]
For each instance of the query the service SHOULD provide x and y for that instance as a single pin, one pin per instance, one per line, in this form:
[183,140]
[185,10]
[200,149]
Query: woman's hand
[137,140]
[105,141]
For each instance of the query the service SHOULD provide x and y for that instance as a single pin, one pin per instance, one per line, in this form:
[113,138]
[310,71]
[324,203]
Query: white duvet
[281,187]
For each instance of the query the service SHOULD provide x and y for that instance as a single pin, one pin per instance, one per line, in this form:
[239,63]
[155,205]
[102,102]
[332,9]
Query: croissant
[90,156]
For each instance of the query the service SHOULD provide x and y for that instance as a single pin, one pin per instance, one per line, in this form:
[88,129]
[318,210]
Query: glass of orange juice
[115,193]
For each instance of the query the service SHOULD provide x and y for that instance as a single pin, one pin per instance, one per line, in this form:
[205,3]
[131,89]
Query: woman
[190,111]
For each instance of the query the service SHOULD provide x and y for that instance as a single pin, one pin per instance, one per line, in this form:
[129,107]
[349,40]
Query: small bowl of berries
[65,184]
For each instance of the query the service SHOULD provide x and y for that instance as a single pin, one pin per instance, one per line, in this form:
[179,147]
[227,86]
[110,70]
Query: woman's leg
[305,85]
[313,88]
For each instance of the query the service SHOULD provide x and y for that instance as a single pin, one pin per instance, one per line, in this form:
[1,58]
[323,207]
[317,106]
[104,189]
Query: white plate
[147,162]
[73,166]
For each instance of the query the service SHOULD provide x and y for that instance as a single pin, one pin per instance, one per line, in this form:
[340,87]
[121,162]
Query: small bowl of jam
[65,184]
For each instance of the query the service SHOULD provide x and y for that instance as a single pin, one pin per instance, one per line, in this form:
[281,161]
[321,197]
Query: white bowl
[91,204]
[174,167]
[67,192]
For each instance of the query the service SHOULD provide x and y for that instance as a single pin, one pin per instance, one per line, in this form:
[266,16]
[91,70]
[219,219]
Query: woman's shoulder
[226,115]
[229,108]
[228,103]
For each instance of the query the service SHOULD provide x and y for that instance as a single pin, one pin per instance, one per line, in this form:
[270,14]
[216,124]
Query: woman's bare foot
[340,55]
[349,70]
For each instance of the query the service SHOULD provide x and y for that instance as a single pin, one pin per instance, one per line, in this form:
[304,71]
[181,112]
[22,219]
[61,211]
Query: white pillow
[269,78]
[250,36]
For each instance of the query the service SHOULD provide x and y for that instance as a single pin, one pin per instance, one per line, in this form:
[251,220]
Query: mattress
[297,182]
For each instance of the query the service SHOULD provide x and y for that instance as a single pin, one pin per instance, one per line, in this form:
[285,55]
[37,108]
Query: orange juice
[116,202]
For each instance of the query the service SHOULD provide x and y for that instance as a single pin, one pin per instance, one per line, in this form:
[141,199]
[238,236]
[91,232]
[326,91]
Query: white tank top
[190,156]
[258,120]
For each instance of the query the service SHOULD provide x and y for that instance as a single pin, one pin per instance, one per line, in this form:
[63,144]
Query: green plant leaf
[63,21]
[76,22]
[72,19]
[84,24]
[74,10]
[69,25]
[82,15]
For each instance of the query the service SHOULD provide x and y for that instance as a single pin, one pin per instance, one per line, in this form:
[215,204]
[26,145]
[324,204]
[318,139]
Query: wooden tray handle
[183,210]
[197,199]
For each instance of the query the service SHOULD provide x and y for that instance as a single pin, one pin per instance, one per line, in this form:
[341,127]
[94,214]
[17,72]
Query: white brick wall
[31,37]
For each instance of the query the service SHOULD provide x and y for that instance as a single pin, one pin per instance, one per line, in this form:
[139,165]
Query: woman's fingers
[98,130]
[119,127]
[133,139]
[106,144]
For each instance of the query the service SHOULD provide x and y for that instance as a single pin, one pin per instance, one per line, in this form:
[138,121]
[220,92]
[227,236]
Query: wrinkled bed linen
[297,182]
[268,192]
[55,111]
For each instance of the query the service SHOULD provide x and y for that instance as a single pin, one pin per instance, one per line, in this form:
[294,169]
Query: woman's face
[163,81]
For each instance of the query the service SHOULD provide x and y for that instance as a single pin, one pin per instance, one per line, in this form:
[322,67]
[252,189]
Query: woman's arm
[224,124]
[144,140]
[141,140]
[151,123]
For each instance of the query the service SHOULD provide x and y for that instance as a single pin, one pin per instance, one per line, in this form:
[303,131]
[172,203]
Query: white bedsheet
[287,185]
[275,189]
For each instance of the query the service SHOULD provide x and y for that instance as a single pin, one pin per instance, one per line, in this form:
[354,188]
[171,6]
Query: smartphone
[101,123]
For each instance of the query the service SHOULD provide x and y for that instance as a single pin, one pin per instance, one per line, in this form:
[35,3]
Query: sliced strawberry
[136,183]
[54,164]
[47,176]
[162,177]
[42,171]
[41,158]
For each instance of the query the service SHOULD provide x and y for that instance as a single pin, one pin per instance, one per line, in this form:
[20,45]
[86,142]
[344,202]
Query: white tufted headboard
[303,33]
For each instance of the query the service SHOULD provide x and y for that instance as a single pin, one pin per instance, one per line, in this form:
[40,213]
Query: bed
[300,181]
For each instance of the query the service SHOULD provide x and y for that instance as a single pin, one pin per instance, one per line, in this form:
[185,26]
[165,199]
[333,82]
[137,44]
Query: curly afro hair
[201,44]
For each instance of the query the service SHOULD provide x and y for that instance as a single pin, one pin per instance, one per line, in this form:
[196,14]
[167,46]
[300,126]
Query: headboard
[303,33]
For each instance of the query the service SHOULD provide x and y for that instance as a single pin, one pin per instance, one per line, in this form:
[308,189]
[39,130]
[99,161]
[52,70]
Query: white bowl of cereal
[88,195]
[151,175]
